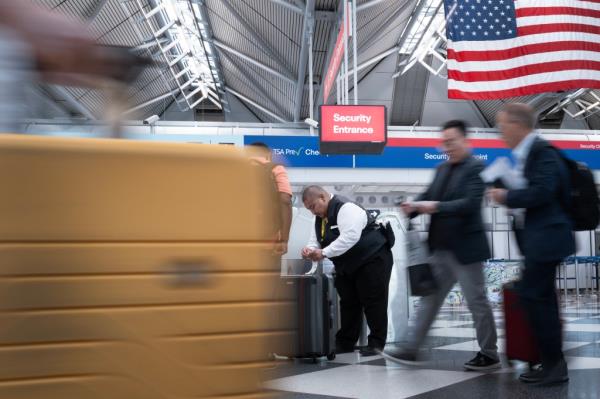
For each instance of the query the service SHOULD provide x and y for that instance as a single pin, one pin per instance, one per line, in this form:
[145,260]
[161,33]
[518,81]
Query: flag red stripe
[538,11]
[580,1]
[496,55]
[561,27]
[524,90]
[531,69]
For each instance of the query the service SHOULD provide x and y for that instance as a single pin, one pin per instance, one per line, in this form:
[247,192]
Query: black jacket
[547,234]
[372,239]
[459,210]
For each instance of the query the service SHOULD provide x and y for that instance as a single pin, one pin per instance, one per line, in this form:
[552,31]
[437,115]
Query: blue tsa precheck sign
[300,152]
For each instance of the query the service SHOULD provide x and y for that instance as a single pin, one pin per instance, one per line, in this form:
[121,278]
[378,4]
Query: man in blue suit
[543,230]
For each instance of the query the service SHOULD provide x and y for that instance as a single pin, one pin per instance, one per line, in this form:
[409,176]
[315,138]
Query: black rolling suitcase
[317,310]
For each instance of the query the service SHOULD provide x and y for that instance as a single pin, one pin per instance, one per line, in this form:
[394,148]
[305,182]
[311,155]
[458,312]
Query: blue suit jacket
[547,235]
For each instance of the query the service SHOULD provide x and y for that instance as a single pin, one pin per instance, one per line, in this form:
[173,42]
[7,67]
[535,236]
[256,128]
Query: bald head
[313,192]
[316,200]
[515,121]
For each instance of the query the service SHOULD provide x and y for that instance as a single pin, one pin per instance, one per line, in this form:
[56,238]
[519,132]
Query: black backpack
[584,207]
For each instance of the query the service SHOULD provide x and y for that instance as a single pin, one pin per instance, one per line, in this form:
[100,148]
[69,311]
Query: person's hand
[426,207]
[306,252]
[317,255]
[498,195]
[280,248]
[407,208]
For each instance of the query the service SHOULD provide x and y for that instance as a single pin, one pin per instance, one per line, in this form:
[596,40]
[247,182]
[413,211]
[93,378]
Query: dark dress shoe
[482,362]
[369,351]
[556,374]
[532,376]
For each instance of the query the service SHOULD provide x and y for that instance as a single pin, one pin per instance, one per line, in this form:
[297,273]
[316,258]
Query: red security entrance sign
[352,129]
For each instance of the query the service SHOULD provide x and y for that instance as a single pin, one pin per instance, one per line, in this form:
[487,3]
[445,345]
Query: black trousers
[537,293]
[365,290]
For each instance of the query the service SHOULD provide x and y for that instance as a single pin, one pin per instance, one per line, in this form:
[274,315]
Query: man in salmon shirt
[264,157]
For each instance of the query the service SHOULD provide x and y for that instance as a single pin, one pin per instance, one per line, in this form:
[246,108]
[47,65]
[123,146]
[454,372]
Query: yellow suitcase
[135,270]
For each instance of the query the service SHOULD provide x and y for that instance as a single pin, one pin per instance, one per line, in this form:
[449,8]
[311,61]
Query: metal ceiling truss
[73,102]
[177,61]
[253,61]
[297,8]
[206,33]
[254,104]
[256,86]
[307,31]
[376,34]
[408,29]
[368,5]
[434,36]
[583,103]
[266,47]
[365,43]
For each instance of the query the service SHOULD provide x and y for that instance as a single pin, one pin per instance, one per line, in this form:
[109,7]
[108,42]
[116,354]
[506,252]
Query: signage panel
[405,153]
[300,152]
[351,129]
[334,63]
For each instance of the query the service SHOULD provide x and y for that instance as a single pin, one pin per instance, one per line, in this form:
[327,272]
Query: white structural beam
[72,101]
[251,60]
[369,4]
[374,60]
[293,7]
[257,39]
[253,103]
[152,101]
[256,86]
[307,29]
[374,36]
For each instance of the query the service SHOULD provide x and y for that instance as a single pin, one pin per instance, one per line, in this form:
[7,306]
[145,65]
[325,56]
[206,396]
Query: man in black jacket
[458,246]
[543,231]
[349,236]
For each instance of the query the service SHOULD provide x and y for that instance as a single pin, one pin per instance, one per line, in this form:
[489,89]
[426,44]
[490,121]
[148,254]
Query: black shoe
[532,376]
[482,362]
[369,351]
[401,356]
[557,374]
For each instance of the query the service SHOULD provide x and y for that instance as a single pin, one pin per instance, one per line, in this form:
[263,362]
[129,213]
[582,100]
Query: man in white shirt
[350,237]
[543,234]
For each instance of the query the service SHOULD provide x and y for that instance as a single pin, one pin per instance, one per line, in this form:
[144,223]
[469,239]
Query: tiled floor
[450,344]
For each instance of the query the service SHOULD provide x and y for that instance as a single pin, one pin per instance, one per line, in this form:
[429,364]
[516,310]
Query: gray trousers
[447,270]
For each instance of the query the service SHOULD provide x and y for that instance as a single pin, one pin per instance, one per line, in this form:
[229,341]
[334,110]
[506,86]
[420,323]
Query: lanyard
[323,224]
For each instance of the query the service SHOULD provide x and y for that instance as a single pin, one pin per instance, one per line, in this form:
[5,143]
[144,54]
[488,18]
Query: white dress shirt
[351,221]
[520,154]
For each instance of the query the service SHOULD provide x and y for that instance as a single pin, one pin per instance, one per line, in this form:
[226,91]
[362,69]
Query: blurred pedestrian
[543,232]
[458,247]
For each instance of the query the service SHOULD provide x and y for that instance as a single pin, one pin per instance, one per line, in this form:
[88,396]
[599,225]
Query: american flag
[510,48]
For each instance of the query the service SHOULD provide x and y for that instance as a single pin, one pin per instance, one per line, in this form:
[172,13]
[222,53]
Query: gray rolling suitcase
[317,314]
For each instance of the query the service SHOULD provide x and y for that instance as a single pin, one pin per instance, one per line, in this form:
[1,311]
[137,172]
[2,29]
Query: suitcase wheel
[331,356]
